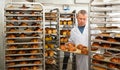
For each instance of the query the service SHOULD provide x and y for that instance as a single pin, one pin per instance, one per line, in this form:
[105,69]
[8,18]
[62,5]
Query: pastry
[105,45]
[35,46]
[8,58]
[115,60]
[107,54]
[84,50]
[33,56]
[24,68]
[25,18]
[23,24]
[63,47]
[110,65]
[98,56]
[34,51]
[12,30]
[21,52]
[38,29]
[11,36]
[38,18]
[64,22]
[54,31]
[25,46]
[35,68]
[98,38]
[111,40]
[22,35]
[34,40]
[14,18]
[12,47]
[11,63]
[35,24]
[51,53]
[19,57]
[9,24]
[37,62]
[10,41]
[34,34]
[69,22]
[80,47]
[28,29]
[23,62]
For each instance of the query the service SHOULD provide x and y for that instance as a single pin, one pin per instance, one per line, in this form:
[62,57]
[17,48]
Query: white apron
[78,38]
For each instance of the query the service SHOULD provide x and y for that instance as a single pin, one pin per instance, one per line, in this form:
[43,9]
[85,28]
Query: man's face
[81,19]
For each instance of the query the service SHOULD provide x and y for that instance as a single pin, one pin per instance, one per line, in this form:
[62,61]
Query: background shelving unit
[24,36]
[52,56]
[67,22]
[105,35]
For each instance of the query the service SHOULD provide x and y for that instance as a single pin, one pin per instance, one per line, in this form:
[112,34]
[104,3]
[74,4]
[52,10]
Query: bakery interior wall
[48,6]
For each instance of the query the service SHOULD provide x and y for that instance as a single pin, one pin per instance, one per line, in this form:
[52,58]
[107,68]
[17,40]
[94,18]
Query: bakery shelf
[105,22]
[105,28]
[115,36]
[25,32]
[24,54]
[22,15]
[24,59]
[23,20]
[24,43]
[106,60]
[25,38]
[22,26]
[24,65]
[103,41]
[104,67]
[24,49]
[115,49]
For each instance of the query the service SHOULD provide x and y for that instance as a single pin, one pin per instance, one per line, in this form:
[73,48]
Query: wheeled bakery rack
[105,35]
[67,22]
[52,56]
[24,36]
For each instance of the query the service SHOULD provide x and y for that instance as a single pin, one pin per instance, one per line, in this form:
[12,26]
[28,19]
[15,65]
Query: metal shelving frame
[100,16]
[53,22]
[12,9]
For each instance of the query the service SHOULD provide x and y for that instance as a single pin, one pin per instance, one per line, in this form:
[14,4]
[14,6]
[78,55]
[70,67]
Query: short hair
[82,12]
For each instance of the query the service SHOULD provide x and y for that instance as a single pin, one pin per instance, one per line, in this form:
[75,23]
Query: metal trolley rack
[52,56]
[24,36]
[67,22]
[105,35]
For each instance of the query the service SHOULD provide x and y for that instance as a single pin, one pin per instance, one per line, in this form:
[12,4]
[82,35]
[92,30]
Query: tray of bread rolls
[106,57]
[71,48]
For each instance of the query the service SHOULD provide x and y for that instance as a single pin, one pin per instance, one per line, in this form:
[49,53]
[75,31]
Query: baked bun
[23,62]
[35,24]
[21,52]
[12,47]
[111,40]
[33,56]
[95,62]
[107,54]
[25,18]
[34,40]
[34,51]
[12,30]
[34,34]
[38,29]
[84,50]
[37,62]
[98,56]
[110,65]
[24,68]
[69,22]
[95,45]
[11,36]
[19,57]
[11,63]
[63,47]
[98,38]
[28,29]
[98,68]
[80,47]
[35,46]
[115,60]
[23,24]
[51,53]
[8,58]
[10,41]
[105,45]
[25,46]
[35,68]
[9,24]
[22,35]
